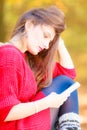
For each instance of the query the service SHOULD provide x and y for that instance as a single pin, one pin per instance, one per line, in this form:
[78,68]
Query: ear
[28,24]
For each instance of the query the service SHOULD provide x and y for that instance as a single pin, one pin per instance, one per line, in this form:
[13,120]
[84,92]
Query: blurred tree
[2,23]
[12,9]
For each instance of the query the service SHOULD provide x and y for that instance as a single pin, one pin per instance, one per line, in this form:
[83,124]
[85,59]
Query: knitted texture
[69,121]
[60,70]
[17,85]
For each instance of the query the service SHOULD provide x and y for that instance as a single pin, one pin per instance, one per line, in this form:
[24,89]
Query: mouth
[40,48]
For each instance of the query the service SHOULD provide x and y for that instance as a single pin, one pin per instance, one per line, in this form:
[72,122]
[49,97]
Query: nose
[46,45]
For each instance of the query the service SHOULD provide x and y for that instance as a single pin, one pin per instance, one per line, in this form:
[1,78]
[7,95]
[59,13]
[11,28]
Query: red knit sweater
[17,85]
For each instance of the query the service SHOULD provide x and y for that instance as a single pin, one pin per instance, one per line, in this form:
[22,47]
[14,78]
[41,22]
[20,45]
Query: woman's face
[39,38]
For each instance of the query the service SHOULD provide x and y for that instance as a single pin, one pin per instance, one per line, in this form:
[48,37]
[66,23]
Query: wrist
[36,107]
[41,104]
[61,41]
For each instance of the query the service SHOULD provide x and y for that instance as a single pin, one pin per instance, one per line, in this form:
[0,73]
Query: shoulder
[4,48]
[10,54]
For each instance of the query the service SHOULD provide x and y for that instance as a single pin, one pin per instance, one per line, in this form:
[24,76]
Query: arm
[65,65]
[11,107]
[64,56]
[23,110]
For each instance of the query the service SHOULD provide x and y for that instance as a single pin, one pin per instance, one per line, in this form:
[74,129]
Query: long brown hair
[43,63]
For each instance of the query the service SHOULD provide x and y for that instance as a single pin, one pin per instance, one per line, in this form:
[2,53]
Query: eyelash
[45,37]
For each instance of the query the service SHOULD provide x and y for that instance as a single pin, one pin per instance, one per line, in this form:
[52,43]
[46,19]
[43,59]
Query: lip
[40,48]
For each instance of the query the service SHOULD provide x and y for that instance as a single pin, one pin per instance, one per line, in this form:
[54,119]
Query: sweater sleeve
[8,91]
[9,81]
[60,70]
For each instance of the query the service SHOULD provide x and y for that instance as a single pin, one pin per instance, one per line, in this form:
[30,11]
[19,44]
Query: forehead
[48,27]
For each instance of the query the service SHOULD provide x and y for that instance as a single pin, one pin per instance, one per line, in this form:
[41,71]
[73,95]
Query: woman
[30,79]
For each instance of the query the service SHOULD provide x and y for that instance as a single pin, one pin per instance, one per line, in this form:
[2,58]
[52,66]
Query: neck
[18,43]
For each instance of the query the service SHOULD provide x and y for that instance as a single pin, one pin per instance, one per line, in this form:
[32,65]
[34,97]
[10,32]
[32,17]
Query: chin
[34,53]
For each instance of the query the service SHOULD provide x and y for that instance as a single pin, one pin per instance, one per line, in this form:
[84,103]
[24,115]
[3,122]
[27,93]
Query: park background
[75,35]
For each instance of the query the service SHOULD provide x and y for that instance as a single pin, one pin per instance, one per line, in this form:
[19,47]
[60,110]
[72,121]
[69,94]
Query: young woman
[30,79]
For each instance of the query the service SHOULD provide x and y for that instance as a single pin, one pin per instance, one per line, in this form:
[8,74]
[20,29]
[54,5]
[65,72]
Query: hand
[61,41]
[55,100]
[64,57]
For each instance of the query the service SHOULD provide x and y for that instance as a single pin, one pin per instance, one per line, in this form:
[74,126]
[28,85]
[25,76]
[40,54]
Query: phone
[72,88]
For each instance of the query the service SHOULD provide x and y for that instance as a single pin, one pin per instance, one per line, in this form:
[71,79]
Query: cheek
[30,38]
[38,34]
[35,37]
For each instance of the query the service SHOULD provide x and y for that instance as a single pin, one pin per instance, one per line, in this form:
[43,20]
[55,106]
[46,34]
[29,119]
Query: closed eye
[47,35]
